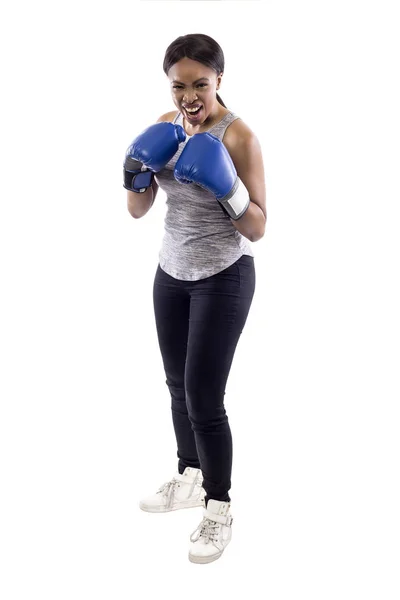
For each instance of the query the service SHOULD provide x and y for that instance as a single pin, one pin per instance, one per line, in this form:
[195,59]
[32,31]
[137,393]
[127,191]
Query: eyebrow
[197,80]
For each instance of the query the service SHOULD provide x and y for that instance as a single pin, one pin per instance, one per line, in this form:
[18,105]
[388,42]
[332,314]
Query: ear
[219,79]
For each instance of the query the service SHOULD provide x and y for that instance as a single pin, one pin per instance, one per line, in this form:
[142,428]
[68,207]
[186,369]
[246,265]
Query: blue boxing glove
[149,153]
[206,162]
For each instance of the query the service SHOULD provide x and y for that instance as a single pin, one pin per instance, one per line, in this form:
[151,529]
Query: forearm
[252,223]
[140,204]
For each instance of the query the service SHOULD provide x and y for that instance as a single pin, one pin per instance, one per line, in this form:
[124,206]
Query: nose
[189,97]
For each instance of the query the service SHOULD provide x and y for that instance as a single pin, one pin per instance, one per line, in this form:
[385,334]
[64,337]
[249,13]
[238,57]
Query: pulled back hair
[199,47]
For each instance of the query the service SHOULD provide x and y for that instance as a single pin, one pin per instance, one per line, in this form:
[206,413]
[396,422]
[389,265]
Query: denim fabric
[198,327]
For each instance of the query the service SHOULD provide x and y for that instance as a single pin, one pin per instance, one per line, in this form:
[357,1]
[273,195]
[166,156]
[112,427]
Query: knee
[205,408]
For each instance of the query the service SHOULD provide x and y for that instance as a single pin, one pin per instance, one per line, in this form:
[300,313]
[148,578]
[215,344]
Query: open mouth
[193,115]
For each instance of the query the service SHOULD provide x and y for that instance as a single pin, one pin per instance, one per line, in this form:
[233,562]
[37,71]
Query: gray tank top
[199,238]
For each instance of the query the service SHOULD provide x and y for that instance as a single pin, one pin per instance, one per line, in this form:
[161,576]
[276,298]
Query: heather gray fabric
[199,238]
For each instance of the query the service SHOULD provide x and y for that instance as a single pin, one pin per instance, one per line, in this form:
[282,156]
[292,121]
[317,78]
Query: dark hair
[196,46]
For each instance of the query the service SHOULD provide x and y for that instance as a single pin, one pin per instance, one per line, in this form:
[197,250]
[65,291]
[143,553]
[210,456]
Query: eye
[179,87]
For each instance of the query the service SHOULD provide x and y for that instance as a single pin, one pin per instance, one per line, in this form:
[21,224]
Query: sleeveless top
[199,238]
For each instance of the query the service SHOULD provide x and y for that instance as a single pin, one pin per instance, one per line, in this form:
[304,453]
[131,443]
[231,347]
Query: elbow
[257,235]
[255,238]
[135,215]
[259,225]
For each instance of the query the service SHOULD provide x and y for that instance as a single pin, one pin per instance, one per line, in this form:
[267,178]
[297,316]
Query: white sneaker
[213,534]
[183,491]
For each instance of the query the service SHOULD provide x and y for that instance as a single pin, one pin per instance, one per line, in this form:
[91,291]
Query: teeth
[192,109]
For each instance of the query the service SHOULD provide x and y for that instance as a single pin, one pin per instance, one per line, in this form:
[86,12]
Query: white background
[312,398]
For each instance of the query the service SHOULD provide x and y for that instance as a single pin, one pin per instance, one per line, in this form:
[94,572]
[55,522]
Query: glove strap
[136,176]
[237,201]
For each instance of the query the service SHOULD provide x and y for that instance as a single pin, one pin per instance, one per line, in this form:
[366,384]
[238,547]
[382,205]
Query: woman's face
[194,85]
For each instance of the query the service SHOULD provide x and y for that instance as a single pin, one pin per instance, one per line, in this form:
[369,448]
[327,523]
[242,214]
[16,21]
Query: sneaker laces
[168,490]
[208,529]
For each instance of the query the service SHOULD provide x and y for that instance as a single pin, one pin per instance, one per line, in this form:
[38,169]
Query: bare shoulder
[242,143]
[238,133]
[169,116]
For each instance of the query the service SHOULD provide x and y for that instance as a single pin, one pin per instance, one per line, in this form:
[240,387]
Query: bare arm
[140,204]
[245,151]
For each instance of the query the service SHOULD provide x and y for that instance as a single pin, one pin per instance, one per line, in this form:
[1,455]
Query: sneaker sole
[202,560]
[162,509]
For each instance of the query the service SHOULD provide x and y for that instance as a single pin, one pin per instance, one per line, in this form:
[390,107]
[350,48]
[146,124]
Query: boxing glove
[149,153]
[206,162]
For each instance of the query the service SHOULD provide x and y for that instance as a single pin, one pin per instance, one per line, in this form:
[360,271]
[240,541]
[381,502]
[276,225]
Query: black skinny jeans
[198,326]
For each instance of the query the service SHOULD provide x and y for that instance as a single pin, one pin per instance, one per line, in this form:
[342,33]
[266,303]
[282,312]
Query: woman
[205,281]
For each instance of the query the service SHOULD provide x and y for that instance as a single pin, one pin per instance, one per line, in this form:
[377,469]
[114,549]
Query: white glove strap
[237,201]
